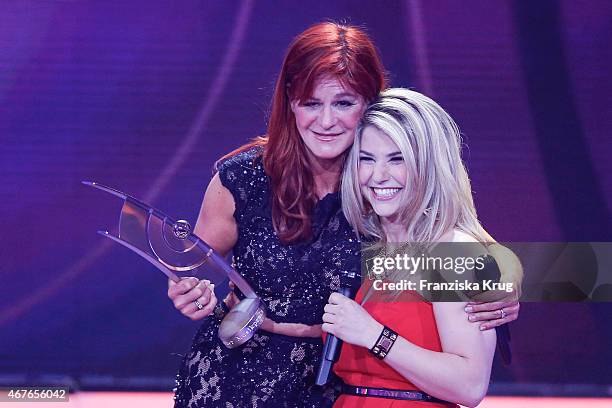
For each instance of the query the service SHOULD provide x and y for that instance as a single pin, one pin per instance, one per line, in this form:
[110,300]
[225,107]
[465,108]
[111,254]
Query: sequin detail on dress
[294,281]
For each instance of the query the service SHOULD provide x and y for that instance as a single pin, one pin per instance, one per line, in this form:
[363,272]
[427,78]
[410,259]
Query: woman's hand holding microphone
[350,322]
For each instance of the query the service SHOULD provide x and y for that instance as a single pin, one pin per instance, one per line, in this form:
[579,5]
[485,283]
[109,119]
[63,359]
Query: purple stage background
[145,96]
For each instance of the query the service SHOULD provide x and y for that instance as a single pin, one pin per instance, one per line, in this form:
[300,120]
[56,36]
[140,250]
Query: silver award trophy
[177,252]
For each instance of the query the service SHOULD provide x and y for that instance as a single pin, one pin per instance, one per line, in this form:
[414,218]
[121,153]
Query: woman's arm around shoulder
[493,312]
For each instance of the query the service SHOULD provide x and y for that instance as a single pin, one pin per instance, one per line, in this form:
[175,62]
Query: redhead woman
[275,205]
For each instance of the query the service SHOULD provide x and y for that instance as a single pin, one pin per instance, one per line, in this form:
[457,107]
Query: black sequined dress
[294,281]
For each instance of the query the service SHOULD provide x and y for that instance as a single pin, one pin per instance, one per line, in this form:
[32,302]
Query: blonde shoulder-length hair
[437,197]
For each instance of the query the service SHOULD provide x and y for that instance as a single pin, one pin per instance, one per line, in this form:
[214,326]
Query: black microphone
[331,350]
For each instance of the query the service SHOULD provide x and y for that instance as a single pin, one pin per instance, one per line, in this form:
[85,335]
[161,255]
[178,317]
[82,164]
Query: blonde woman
[404,181]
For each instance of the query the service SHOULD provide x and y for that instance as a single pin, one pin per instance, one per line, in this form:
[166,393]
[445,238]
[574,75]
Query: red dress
[413,319]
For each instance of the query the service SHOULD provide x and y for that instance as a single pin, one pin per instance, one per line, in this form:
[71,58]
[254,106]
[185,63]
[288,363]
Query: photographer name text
[455,286]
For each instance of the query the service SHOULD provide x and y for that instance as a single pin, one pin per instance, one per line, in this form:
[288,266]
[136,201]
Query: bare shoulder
[216,223]
[218,194]
[460,236]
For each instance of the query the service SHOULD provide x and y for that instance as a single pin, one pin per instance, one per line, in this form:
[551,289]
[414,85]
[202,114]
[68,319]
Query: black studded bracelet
[384,343]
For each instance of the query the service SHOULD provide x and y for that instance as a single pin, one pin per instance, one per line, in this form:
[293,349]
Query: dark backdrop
[144,96]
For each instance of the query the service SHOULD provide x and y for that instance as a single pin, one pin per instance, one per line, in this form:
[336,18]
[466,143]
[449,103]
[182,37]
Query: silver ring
[503,313]
[198,305]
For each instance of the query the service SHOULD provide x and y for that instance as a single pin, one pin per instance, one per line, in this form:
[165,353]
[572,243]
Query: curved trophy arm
[176,251]
[168,244]
[146,256]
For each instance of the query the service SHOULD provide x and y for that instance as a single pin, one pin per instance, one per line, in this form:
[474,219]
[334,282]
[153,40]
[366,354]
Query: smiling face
[328,119]
[382,172]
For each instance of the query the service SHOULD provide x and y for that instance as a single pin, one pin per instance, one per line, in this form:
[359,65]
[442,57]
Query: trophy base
[242,322]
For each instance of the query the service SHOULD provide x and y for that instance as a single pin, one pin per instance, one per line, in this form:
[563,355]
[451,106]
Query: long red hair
[324,50]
